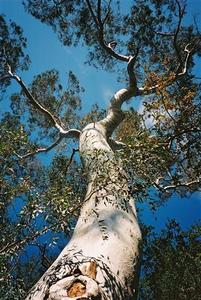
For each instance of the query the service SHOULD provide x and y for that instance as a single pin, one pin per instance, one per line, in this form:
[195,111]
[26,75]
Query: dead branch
[178,185]
[70,159]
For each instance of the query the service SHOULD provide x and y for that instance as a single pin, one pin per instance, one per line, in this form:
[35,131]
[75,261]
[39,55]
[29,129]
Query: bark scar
[89,269]
[77,289]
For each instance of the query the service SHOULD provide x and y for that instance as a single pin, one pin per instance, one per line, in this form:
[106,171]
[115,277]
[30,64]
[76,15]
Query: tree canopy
[148,44]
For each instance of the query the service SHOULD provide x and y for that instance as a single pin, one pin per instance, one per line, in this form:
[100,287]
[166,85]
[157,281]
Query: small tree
[102,259]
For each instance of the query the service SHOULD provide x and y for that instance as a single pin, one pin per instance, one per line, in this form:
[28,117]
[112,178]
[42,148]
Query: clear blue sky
[46,52]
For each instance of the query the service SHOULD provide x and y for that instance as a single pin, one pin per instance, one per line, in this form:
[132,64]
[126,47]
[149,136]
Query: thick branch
[186,61]
[130,69]
[71,133]
[115,115]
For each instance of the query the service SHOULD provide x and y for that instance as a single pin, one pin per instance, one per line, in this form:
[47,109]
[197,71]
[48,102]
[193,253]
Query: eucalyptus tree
[161,252]
[102,259]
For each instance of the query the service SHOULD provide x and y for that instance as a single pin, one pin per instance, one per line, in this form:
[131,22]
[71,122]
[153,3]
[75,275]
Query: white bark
[101,261]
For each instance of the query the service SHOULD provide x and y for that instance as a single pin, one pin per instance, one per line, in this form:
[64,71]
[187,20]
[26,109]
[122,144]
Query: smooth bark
[101,261]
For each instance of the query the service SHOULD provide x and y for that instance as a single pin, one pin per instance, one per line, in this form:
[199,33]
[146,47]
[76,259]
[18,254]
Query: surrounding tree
[172,260]
[157,153]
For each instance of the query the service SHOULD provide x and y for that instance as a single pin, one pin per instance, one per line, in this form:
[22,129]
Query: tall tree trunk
[101,261]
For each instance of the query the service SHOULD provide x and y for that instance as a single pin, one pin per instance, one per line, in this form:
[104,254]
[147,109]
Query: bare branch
[40,150]
[152,89]
[72,133]
[164,33]
[64,133]
[110,49]
[178,185]
[71,159]
[186,60]
[99,12]
[92,13]
[115,115]
[34,102]
[107,13]
[100,30]
[182,67]
[181,14]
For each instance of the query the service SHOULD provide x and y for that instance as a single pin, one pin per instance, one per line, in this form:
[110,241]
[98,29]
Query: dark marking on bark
[92,269]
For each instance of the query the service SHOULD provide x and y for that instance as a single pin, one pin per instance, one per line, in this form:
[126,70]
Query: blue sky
[46,52]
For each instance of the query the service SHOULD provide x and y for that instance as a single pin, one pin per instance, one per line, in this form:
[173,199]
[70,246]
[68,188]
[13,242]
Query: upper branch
[130,70]
[175,186]
[115,115]
[181,14]
[152,89]
[181,68]
[34,102]
[100,32]
[71,133]
[37,105]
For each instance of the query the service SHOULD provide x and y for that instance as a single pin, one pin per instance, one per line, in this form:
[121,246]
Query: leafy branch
[71,133]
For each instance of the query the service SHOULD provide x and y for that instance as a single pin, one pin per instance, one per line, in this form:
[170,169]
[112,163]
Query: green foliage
[72,22]
[171,266]
[165,155]
[12,46]
[38,204]
[63,102]
[139,27]
[41,197]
